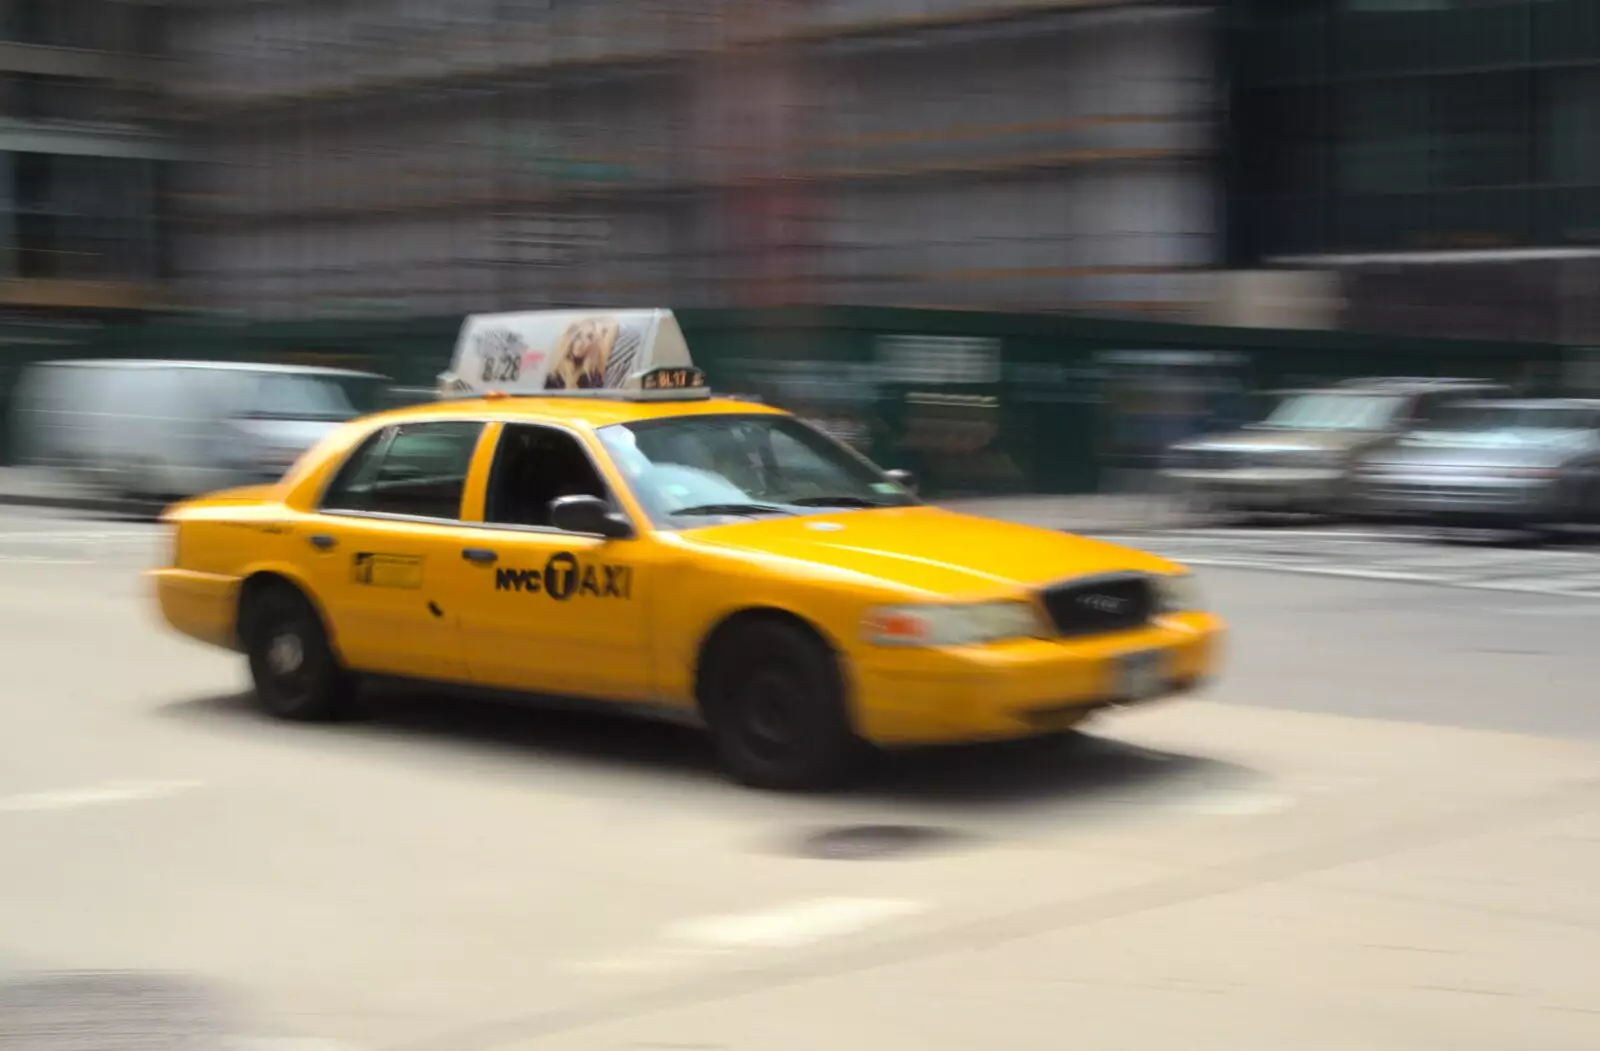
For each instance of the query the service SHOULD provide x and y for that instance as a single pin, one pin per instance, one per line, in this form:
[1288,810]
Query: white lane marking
[1232,802]
[286,1043]
[1365,536]
[1552,611]
[94,795]
[793,926]
[1207,800]
[43,537]
[1312,570]
[30,560]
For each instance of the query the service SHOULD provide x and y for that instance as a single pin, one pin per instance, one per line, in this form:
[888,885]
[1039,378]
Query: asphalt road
[454,876]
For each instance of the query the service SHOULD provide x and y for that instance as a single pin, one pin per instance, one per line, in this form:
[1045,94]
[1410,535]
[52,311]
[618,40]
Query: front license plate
[1140,675]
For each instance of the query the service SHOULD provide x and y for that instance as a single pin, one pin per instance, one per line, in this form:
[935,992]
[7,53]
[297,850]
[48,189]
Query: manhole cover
[853,842]
[109,1011]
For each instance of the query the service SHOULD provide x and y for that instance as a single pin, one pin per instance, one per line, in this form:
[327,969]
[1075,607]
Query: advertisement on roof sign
[564,350]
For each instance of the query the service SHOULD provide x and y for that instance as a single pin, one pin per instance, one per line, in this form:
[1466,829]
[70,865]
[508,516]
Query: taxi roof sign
[638,354]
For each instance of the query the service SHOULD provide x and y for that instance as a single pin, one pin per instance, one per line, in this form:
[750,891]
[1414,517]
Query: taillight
[174,540]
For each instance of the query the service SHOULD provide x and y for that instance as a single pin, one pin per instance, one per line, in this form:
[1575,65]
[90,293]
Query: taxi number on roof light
[673,379]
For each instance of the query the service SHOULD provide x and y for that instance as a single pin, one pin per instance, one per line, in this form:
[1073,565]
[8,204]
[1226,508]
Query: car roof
[220,366]
[595,412]
[1399,385]
[1385,384]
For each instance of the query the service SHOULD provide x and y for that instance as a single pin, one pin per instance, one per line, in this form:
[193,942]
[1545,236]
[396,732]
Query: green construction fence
[974,402]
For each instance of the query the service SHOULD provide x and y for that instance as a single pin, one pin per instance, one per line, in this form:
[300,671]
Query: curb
[86,504]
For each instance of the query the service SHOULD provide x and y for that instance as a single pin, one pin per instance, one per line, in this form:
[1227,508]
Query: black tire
[297,676]
[774,701]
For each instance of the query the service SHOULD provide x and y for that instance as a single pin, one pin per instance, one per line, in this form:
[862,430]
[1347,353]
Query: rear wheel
[773,697]
[297,676]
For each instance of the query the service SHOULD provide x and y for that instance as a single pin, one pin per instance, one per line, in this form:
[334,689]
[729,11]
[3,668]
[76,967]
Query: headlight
[1178,593]
[950,625]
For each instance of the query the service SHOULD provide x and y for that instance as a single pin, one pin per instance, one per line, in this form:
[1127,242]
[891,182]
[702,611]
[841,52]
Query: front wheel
[297,675]
[773,698]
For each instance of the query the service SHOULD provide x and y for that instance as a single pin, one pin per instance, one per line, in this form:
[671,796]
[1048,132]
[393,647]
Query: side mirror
[903,478]
[588,514]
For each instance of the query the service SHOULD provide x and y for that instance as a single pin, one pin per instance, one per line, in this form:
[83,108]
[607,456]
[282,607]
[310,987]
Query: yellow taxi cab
[583,520]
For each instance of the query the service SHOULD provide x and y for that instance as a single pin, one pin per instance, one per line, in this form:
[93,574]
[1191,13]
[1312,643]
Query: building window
[1383,137]
[1569,132]
[101,25]
[33,96]
[83,218]
[1444,124]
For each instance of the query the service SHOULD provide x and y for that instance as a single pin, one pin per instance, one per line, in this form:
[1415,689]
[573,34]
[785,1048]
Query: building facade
[1442,156]
[83,158]
[478,154]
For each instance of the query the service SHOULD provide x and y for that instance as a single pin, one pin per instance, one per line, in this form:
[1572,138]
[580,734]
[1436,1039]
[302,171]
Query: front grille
[1428,493]
[1101,605]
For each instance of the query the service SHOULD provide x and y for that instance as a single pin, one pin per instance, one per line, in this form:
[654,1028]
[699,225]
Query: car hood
[1276,440]
[924,549]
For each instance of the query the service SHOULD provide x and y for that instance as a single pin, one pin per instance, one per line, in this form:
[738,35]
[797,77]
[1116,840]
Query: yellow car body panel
[634,614]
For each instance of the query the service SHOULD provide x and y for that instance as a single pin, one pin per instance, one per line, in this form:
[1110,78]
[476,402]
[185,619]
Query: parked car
[1523,464]
[162,429]
[1302,458]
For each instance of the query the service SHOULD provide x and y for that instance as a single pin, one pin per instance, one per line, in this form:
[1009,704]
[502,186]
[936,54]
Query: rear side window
[418,470]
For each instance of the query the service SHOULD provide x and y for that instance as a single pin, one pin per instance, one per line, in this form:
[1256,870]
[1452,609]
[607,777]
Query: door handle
[322,541]
[481,555]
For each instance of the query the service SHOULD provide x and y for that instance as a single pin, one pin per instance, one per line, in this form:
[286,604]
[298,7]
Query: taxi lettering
[563,576]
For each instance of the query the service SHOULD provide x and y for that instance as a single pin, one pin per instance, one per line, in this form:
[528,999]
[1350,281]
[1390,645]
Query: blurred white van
[168,429]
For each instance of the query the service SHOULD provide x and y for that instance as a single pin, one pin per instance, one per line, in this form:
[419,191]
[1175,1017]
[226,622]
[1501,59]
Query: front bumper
[1021,688]
[1459,499]
[1264,488]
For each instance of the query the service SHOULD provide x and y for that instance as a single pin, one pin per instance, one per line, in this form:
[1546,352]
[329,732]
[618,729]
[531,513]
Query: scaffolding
[83,156]
[490,153]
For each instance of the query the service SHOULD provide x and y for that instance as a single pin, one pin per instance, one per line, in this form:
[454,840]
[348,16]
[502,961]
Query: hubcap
[286,654]
[769,712]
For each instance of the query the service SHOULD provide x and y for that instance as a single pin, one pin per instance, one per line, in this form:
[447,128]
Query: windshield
[1482,419]
[1335,412]
[301,398]
[688,469]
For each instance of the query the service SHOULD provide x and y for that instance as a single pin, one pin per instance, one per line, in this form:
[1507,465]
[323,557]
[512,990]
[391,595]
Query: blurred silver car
[1527,463]
[1302,458]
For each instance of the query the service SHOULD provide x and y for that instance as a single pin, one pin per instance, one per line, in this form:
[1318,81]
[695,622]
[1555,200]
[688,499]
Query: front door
[553,612]
[389,569]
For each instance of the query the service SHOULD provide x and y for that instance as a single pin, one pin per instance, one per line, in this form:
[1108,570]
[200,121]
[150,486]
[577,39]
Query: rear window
[290,397]
[1336,412]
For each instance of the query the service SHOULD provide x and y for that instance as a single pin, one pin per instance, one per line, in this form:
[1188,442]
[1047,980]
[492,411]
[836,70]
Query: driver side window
[533,467]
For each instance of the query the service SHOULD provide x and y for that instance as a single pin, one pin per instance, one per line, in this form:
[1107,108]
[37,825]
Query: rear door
[387,550]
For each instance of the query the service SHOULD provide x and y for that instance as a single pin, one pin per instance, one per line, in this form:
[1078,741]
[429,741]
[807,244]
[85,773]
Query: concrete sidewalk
[1103,513]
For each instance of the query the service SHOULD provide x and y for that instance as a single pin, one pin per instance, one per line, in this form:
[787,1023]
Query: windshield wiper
[836,501]
[732,509]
